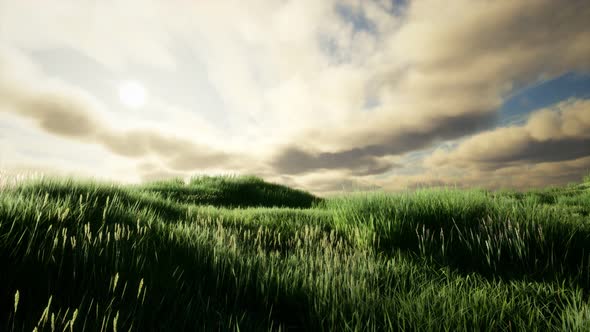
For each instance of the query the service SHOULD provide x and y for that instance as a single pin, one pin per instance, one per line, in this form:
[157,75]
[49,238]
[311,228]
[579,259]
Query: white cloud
[66,111]
[295,78]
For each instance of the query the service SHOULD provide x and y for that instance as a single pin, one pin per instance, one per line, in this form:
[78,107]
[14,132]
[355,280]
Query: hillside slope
[241,254]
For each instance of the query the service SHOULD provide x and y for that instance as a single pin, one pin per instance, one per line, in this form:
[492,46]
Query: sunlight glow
[132,94]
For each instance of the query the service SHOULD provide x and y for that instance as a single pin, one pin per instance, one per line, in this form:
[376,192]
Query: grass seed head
[16,299]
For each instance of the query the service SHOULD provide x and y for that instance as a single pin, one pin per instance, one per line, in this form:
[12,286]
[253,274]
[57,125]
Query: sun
[132,94]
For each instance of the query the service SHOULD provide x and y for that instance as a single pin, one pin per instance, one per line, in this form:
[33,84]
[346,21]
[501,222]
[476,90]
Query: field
[240,254]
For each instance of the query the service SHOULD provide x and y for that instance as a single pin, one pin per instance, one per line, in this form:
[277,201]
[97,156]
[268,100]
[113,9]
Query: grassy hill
[237,253]
[233,191]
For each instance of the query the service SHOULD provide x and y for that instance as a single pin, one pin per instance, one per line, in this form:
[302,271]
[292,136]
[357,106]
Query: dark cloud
[60,114]
[533,151]
[554,135]
[293,160]
[546,33]
[450,67]
[365,160]
[177,153]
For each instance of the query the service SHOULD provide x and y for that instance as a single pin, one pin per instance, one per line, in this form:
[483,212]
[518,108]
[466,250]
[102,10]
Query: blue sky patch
[516,108]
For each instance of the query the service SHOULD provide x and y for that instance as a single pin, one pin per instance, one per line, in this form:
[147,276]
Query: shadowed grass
[497,235]
[99,257]
[233,191]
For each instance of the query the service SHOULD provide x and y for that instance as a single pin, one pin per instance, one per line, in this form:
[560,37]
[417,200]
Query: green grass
[232,191]
[237,253]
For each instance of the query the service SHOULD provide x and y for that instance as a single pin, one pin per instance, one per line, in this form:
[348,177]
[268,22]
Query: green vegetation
[246,191]
[240,254]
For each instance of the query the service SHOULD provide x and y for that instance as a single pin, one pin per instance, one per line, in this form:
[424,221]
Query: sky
[327,96]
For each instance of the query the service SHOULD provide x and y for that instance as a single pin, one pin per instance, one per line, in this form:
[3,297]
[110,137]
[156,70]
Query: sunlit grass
[101,257]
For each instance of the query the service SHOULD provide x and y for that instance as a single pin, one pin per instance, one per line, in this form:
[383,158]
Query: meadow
[241,254]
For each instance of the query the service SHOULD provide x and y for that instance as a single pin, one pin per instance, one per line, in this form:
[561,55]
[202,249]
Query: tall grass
[495,235]
[101,257]
[233,191]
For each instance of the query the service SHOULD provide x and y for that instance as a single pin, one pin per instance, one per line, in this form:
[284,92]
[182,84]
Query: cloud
[179,153]
[295,161]
[518,176]
[442,75]
[328,182]
[551,148]
[304,89]
[467,34]
[65,111]
[116,34]
[559,133]
[364,160]
[59,113]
